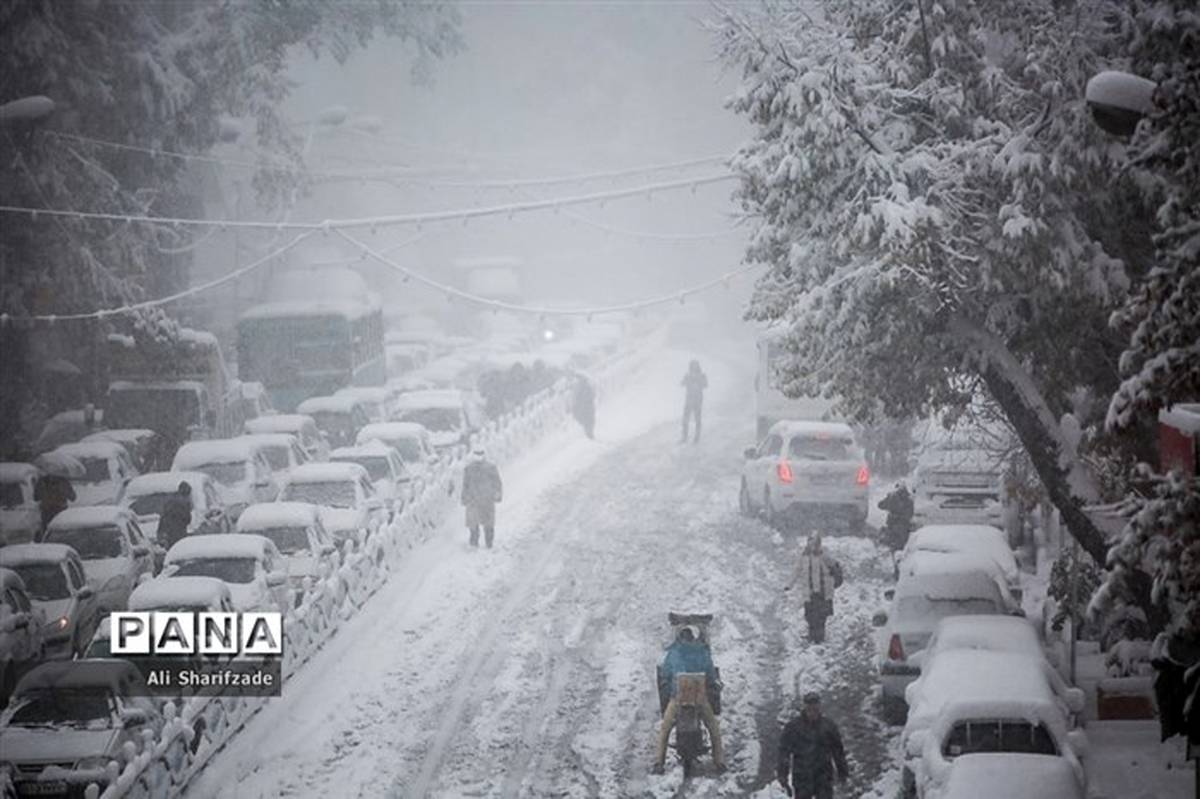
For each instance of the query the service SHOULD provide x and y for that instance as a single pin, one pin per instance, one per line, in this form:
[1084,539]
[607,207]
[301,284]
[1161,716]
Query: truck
[770,403]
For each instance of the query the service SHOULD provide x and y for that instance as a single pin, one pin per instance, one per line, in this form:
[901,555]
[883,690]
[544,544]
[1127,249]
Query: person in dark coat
[694,383]
[810,750]
[899,507]
[481,490]
[176,516]
[53,493]
[583,405]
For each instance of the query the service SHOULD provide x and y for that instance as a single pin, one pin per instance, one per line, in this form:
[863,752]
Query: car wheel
[745,506]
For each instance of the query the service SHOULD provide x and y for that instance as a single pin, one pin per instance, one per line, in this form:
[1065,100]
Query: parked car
[146,495]
[249,564]
[451,416]
[282,451]
[404,358]
[391,478]
[955,481]
[144,446]
[66,427]
[68,720]
[376,400]
[21,626]
[349,506]
[939,587]
[57,587]
[298,533]
[242,473]
[303,427]
[339,418]
[410,439]
[20,517]
[116,555]
[183,594]
[977,539]
[1004,775]
[804,468]
[107,466]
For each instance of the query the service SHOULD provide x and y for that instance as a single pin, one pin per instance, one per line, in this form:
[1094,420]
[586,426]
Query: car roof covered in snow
[12,471]
[378,430]
[372,448]
[80,517]
[268,439]
[166,592]
[988,633]
[331,404]
[111,673]
[218,545]
[350,309]
[92,449]
[367,393]
[265,515]
[124,435]
[163,483]
[431,398]
[279,423]
[27,554]
[325,473]
[981,680]
[223,450]
[1004,775]
[801,427]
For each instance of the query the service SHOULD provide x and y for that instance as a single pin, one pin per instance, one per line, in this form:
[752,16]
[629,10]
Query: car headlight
[59,625]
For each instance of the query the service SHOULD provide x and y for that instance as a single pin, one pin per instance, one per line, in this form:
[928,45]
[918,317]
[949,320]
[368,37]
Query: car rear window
[911,607]
[288,540]
[999,735]
[820,448]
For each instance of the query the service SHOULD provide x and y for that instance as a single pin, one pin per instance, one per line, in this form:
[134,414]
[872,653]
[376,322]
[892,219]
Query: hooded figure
[810,751]
[694,382]
[481,490]
[176,516]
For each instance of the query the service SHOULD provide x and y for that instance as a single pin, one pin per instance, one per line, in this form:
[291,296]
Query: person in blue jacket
[687,655]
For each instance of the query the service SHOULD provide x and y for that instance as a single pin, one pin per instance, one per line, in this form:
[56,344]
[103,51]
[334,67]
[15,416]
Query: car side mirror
[276,578]
[85,592]
[134,717]
[141,550]
[1018,612]
[889,594]
[749,453]
[328,549]
[213,513]
[879,619]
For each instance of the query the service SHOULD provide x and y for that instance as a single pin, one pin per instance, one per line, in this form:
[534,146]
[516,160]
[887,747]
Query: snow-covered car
[146,495]
[803,468]
[937,587]
[110,543]
[282,451]
[241,471]
[300,536]
[179,594]
[391,478]
[57,587]
[979,539]
[142,444]
[107,467]
[410,439]
[349,506]
[1004,775]
[21,630]
[404,358]
[69,719]
[20,517]
[450,415]
[303,427]
[66,427]
[249,564]
[956,482]
[376,400]
[978,702]
[339,418]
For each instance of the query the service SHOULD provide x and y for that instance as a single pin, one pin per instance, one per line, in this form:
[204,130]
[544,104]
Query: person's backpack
[835,571]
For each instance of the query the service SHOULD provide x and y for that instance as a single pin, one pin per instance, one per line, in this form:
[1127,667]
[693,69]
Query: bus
[308,348]
[770,403]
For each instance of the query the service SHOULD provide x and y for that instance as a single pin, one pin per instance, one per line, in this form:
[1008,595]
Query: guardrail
[196,730]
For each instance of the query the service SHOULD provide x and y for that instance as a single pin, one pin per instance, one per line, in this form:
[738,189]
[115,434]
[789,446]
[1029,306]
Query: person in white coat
[816,577]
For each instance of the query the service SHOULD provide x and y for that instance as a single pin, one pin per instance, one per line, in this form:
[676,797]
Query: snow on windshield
[912,607]
[377,466]
[438,419]
[288,540]
[335,494]
[224,473]
[231,570]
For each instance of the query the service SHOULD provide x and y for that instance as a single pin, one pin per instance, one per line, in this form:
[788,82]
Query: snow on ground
[529,670]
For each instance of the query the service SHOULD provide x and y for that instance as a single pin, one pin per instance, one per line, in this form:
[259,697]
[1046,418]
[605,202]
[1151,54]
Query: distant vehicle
[183,594]
[350,508]
[21,631]
[67,427]
[68,720]
[146,495]
[298,533]
[57,587]
[410,439]
[969,539]
[303,427]
[449,415]
[770,403]
[249,564]
[282,451]
[108,468]
[956,481]
[339,418]
[242,473]
[142,444]
[404,358]
[20,517]
[391,478]
[375,400]
[1002,775]
[802,468]
[115,554]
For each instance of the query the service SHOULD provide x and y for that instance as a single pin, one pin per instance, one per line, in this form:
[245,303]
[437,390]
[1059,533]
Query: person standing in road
[694,382]
[53,493]
[481,490]
[810,750]
[583,405]
[816,577]
[176,516]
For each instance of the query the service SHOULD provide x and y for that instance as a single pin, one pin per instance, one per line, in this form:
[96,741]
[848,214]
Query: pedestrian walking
[53,493]
[694,382]
[810,752]
[481,490]
[583,405]
[176,516]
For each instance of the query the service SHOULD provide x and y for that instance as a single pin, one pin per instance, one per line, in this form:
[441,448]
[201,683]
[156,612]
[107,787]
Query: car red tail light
[863,476]
[784,470]
[895,648]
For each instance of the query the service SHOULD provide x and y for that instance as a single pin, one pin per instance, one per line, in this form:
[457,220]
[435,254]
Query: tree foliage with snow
[160,76]
[932,199]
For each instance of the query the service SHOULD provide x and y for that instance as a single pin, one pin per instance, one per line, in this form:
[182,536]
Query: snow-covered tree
[935,206]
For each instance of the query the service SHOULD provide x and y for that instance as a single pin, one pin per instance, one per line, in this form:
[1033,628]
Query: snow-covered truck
[179,389]
[770,403]
[1179,438]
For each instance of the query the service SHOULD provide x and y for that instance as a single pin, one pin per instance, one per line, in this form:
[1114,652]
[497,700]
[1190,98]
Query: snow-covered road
[528,670]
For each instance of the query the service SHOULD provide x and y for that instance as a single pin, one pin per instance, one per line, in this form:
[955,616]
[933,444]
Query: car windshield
[335,423]
[95,470]
[439,419]
[288,540]
[409,449]
[819,448]
[999,735]
[72,707]
[376,465]
[92,543]
[277,456]
[150,504]
[334,494]
[227,474]
[911,607]
[44,581]
[231,570]
[11,495]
